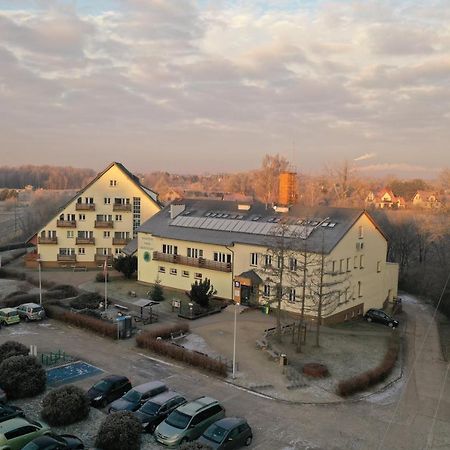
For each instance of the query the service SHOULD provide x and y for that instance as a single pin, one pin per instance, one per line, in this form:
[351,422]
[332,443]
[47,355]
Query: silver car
[31,311]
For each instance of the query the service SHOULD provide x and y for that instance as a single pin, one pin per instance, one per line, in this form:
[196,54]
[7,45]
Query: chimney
[176,210]
[287,188]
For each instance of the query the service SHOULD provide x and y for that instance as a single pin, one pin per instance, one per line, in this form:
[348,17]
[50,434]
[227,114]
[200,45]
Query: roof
[229,422]
[131,248]
[255,226]
[144,302]
[115,377]
[12,424]
[197,405]
[164,397]
[253,276]
[148,386]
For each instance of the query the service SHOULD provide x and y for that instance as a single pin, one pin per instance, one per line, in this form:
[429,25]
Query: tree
[118,431]
[157,293]
[22,376]
[202,292]
[267,178]
[12,348]
[126,265]
[65,405]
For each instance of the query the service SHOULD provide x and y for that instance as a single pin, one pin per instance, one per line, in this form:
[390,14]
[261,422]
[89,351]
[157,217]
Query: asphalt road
[413,414]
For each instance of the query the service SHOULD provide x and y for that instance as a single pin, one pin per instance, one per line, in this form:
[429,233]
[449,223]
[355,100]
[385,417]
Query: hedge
[120,430]
[166,331]
[12,348]
[373,376]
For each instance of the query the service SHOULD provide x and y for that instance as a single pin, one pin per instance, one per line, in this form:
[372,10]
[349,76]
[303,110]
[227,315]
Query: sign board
[176,303]
[237,284]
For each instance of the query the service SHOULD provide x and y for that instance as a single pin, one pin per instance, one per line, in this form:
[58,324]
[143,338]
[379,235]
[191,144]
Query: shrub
[12,348]
[100,277]
[195,446]
[17,300]
[13,294]
[65,405]
[88,300]
[164,331]
[120,430]
[126,265]
[202,292]
[157,293]
[364,380]
[22,376]
[61,291]
[83,321]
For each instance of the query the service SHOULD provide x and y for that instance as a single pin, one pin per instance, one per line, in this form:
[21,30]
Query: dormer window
[113,182]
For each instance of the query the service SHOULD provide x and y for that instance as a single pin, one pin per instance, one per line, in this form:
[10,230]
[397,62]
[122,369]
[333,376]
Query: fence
[51,358]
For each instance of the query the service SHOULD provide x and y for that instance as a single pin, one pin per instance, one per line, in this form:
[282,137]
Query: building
[287,189]
[426,200]
[229,243]
[385,198]
[97,222]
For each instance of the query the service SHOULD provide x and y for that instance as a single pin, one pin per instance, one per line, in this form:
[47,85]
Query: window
[292,264]
[198,275]
[253,259]
[266,290]
[67,251]
[378,266]
[280,262]
[267,260]
[107,234]
[81,251]
[169,249]
[21,431]
[161,269]
[118,251]
[355,262]
[107,201]
[82,217]
[222,257]
[333,267]
[173,271]
[348,264]
[292,295]
[359,289]
[119,217]
[194,253]
[113,182]
[361,232]
[341,266]
[361,261]
[136,214]
[185,273]
[70,234]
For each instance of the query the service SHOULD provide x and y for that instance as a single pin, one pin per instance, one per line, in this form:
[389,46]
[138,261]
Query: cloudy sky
[213,85]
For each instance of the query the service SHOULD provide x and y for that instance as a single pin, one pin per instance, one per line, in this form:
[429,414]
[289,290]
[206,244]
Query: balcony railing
[67,257]
[104,224]
[119,207]
[193,262]
[85,241]
[85,207]
[120,241]
[47,240]
[66,223]
[101,258]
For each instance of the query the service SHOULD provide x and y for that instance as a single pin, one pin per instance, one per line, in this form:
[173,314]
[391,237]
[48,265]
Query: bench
[262,344]
[177,335]
[121,307]
[273,354]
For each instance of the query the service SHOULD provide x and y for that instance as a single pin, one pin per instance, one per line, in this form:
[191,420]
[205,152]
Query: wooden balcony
[47,240]
[85,206]
[85,241]
[67,258]
[66,223]
[193,262]
[120,241]
[119,207]
[104,224]
[101,258]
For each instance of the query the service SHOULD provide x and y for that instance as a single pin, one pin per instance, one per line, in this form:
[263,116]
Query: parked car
[155,410]
[378,315]
[9,412]
[16,433]
[227,434]
[9,316]
[137,396]
[2,396]
[108,389]
[31,311]
[55,442]
[189,421]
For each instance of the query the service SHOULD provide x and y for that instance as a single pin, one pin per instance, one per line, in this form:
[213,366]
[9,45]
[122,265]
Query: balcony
[85,206]
[193,262]
[66,223]
[120,241]
[101,258]
[66,258]
[85,241]
[104,224]
[119,207]
[47,240]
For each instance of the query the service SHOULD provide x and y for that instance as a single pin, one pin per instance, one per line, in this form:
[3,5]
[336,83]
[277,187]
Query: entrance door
[245,294]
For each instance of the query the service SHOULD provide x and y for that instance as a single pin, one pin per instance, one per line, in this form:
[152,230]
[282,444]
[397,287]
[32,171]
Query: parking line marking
[160,361]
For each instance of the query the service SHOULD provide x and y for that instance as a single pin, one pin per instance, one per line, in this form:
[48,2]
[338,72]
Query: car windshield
[36,309]
[215,433]
[31,446]
[12,313]
[178,420]
[102,386]
[132,396]
[150,408]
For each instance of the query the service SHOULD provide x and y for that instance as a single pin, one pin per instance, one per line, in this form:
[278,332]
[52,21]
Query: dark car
[108,389]
[54,442]
[378,315]
[155,410]
[137,396]
[9,412]
[227,434]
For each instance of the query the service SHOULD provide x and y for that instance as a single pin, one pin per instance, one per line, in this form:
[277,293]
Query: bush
[65,405]
[17,300]
[157,293]
[22,376]
[100,277]
[164,331]
[68,289]
[83,321]
[13,294]
[88,300]
[126,265]
[195,446]
[364,380]
[119,431]
[202,292]
[12,348]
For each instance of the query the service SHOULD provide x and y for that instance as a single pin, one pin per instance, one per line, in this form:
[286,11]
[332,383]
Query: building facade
[237,247]
[426,200]
[97,222]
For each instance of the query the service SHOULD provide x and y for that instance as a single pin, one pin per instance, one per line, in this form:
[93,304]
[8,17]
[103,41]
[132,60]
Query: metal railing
[193,262]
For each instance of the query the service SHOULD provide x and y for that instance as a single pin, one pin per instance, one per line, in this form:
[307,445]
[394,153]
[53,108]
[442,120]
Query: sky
[196,86]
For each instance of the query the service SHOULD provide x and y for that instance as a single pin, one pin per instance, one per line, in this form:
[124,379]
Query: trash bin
[283,360]
[267,309]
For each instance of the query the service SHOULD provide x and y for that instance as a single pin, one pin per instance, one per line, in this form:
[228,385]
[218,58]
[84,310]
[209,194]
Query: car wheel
[369,319]
[391,325]
[248,441]
[27,319]
[151,429]
[183,441]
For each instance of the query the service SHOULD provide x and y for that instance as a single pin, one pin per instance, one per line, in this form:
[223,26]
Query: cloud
[365,156]
[399,167]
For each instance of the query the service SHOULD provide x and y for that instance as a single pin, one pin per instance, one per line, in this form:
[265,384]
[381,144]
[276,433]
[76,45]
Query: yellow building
[426,199]
[97,222]
[232,244]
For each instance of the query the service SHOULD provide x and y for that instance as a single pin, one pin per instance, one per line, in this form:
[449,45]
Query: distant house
[426,199]
[171,194]
[385,198]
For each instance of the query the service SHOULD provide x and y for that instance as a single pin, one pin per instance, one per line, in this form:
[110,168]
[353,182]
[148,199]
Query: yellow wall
[124,188]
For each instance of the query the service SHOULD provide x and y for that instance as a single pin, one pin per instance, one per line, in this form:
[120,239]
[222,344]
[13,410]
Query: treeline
[46,177]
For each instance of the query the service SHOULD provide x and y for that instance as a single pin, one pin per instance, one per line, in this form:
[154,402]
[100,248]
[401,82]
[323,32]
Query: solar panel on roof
[259,227]
[325,224]
[240,216]
[332,224]
[256,218]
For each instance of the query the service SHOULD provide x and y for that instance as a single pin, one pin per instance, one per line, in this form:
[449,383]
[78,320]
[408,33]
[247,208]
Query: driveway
[408,416]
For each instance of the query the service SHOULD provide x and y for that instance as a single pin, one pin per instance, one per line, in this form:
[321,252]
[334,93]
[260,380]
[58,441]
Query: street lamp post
[234,338]
[40,280]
